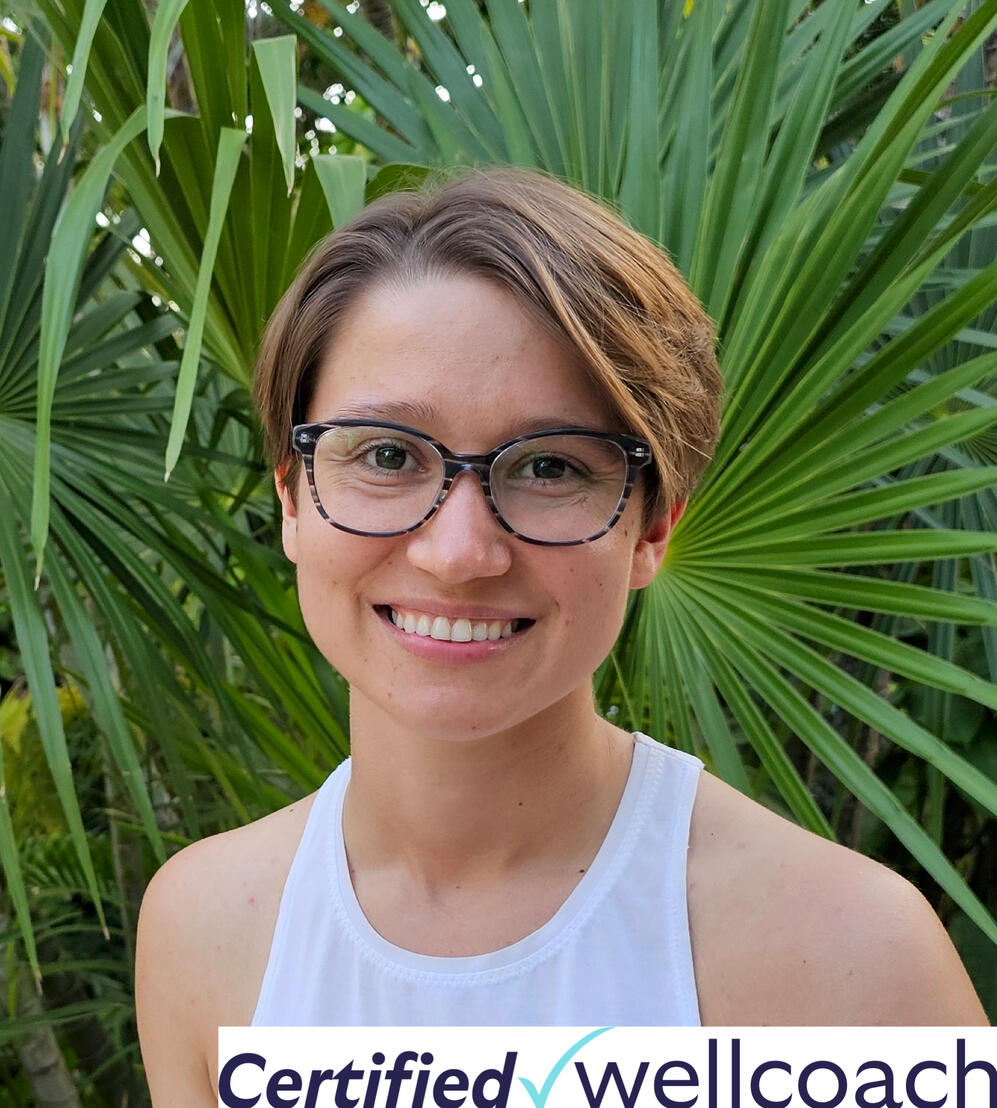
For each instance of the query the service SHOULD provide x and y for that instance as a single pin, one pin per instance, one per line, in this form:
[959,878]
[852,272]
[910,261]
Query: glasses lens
[559,488]
[374,479]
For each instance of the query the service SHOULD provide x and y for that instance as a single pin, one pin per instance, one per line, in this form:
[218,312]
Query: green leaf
[11,863]
[230,145]
[856,508]
[734,184]
[81,52]
[343,178]
[32,642]
[17,174]
[872,594]
[380,142]
[70,238]
[861,548]
[771,752]
[846,765]
[702,699]
[93,665]
[167,16]
[639,203]
[277,61]
[686,169]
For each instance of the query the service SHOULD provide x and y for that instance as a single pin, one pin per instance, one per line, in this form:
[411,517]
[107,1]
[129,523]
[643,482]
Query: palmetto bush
[736,135]
[155,599]
[824,631]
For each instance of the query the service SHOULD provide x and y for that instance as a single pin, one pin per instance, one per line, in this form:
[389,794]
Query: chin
[445,715]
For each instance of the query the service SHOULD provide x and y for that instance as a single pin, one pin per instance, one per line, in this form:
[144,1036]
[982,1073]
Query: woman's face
[461,360]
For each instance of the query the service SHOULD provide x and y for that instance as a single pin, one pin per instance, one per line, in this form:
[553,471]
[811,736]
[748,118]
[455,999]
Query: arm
[169,994]
[791,929]
[895,965]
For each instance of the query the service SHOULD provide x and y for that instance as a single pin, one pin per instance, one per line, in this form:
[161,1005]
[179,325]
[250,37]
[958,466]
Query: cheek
[324,584]
[594,599]
[333,571]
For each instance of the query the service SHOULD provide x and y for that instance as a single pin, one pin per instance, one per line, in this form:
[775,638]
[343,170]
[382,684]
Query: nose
[463,540]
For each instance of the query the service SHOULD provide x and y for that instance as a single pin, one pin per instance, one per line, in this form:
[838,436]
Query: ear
[289,513]
[649,552]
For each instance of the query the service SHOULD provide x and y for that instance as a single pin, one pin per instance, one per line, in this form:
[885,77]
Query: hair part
[619,302]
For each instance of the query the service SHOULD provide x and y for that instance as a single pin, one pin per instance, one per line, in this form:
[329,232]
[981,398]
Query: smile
[426,625]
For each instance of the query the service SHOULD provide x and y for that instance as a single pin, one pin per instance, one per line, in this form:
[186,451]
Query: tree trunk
[379,14]
[45,1068]
[52,1085]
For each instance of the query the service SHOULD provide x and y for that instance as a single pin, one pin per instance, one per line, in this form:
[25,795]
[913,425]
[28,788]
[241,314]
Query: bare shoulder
[204,935]
[789,928]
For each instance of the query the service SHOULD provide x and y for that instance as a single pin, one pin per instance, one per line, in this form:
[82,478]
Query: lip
[440,650]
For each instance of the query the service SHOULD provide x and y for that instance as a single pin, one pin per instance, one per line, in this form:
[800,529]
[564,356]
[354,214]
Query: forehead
[459,357]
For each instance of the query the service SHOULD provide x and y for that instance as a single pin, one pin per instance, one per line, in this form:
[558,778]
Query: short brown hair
[638,330]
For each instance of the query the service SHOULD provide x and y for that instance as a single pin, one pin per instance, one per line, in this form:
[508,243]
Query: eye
[386,455]
[373,455]
[546,467]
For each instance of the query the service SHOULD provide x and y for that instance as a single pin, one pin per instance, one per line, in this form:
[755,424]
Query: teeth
[458,630]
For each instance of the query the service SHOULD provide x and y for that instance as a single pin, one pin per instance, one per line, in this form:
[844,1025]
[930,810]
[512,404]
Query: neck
[462,808]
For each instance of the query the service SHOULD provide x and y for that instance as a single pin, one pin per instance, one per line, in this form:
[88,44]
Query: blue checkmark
[540,1098]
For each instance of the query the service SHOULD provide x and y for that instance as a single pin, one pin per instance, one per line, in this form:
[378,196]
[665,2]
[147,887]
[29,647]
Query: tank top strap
[322,824]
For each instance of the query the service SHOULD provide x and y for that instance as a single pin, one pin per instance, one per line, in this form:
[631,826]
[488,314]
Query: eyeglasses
[553,488]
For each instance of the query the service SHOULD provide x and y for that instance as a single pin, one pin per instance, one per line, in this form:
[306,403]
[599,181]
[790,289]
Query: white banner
[609,1067]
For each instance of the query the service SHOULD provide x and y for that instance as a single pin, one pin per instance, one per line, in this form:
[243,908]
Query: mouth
[425,625]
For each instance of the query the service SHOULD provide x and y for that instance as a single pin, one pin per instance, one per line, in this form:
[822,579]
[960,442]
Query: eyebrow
[420,413]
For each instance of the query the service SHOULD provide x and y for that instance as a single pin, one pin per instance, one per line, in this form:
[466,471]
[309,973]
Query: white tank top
[617,951]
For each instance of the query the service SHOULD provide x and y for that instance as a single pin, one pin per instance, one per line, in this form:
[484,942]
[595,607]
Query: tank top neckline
[620,840]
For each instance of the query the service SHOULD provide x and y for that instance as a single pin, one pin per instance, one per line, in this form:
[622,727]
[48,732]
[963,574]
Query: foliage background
[824,633]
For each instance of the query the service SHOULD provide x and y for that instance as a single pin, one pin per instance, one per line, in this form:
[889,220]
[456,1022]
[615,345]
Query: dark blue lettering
[283,1081]
[228,1098]
[504,1079]
[450,1081]
[372,1082]
[398,1073]
[612,1071]
[756,1084]
[735,1073]
[962,1069]
[711,1072]
[419,1092]
[348,1073]
[886,1084]
[691,1079]
[912,1095]
[315,1082]
[812,1068]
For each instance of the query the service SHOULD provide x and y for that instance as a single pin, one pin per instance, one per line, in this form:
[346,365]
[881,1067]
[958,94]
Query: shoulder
[204,935]
[789,928]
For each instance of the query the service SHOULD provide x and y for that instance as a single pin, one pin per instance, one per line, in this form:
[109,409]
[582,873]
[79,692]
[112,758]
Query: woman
[501,398]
